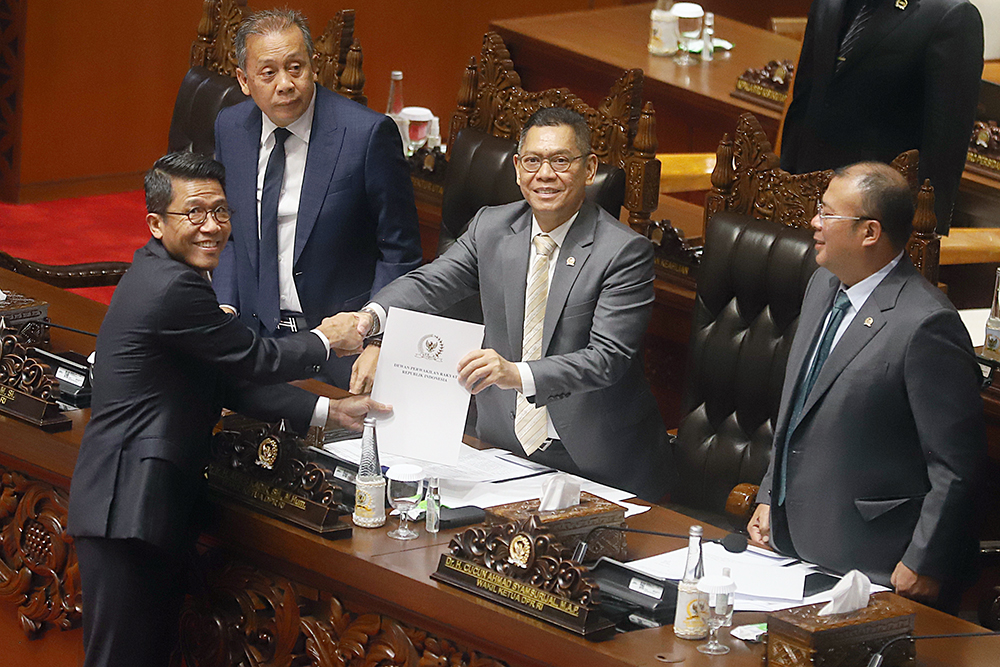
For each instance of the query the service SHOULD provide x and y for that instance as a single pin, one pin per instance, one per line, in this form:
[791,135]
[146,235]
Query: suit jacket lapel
[325,142]
[514,253]
[242,190]
[576,245]
[827,33]
[886,18]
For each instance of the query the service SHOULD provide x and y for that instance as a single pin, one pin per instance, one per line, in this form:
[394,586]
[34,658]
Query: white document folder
[418,375]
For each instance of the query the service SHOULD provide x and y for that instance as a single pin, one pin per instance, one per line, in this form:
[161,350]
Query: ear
[872,232]
[241,76]
[155,222]
[517,172]
[591,168]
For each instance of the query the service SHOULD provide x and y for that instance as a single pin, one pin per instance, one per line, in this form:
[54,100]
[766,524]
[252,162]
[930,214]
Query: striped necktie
[854,31]
[531,423]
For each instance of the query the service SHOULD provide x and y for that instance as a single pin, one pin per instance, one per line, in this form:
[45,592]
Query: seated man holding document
[567,292]
[880,428]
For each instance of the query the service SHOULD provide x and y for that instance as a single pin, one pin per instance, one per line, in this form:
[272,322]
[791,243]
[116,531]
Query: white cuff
[320,412]
[527,379]
[326,341]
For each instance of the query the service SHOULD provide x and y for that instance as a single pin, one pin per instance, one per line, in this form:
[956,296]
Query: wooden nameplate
[519,566]
[767,86]
[28,388]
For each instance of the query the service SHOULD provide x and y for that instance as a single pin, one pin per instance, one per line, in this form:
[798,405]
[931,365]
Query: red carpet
[71,231]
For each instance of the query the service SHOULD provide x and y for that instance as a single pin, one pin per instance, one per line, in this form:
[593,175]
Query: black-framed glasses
[198,215]
[827,216]
[559,163]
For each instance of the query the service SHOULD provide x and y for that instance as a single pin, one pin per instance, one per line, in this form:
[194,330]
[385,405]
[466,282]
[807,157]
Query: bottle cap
[405,472]
[717,584]
[696,530]
[687,10]
[396,75]
[418,114]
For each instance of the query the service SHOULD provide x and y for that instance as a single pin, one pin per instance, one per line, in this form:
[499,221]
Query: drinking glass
[718,612]
[689,16]
[405,488]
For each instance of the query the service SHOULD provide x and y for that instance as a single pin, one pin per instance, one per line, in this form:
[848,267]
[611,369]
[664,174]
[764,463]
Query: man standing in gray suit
[880,429]
[567,292]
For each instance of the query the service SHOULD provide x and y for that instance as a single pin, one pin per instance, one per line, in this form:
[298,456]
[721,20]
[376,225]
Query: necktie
[840,306]
[267,280]
[854,31]
[531,423]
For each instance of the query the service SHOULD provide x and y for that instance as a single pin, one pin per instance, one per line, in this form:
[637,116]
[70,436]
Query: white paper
[417,374]
[974,320]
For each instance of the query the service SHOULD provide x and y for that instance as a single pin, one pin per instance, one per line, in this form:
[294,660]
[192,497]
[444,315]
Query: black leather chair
[750,286]
[203,94]
[481,173]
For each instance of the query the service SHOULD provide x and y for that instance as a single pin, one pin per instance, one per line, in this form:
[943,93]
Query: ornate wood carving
[38,569]
[623,134]
[248,617]
[924,246]
[12,21]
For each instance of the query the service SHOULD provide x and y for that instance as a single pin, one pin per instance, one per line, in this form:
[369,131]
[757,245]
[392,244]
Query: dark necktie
[854,31]
[840,306]
[267,280]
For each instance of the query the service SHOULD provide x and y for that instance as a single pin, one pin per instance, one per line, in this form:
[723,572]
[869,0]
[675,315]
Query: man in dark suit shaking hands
[168,360]
[880,427]
[324,213]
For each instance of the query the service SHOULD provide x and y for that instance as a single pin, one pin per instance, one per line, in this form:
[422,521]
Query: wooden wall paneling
[12,22]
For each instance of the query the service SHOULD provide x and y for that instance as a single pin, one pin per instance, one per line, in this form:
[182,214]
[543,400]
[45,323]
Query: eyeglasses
[559,163]
[824,217]
[198,215]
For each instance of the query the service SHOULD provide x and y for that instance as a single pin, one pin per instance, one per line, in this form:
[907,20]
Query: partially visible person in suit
[323,209]
[168,360]
[880,428]
[569,393]
[879,77]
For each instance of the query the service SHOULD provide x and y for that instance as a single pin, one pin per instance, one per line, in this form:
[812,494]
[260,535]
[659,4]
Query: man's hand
[480,369]
[915,586]
[342,332]
[760,526]
[350,412]
[363,370]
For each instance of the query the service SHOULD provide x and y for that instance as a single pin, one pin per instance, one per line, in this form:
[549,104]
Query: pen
[530,474]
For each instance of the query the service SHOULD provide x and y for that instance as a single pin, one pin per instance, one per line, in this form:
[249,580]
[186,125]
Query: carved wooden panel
[248,617]
[38,569]
[12,18]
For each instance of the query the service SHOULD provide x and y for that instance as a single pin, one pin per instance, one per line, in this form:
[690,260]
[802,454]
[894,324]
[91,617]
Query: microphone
[877,658]
[733,542]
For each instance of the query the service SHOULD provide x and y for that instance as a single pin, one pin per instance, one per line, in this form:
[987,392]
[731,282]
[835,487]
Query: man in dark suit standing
[323,203]
[567,292]
[880,428]
[168,360]
[879,77]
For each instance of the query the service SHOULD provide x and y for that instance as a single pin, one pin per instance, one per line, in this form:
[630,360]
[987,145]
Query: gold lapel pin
[901,4]
[869,321]
[571,261]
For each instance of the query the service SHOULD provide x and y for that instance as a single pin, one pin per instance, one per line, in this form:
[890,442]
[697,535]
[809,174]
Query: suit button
[315,369]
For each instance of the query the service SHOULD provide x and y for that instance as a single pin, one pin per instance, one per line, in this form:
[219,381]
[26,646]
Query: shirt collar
[860,291]
[301,128]
[558,234]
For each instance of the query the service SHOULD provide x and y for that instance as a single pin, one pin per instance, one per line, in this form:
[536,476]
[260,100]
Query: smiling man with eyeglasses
[567,292]
[168,360]
[880,427]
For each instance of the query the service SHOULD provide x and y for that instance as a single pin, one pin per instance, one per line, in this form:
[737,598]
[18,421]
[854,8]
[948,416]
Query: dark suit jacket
[168,360]
[590,375]
[881,466]
[357,223]
[911,81]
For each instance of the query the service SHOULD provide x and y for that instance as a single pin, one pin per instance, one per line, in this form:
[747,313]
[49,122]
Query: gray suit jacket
[591,374]
[881,466]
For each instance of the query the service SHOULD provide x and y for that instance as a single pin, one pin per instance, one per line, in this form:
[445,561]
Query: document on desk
[417,374]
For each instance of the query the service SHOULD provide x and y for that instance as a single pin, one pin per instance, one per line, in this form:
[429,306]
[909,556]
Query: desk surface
[371,571]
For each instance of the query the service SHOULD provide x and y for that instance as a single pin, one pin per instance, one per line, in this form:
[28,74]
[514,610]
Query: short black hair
[555,116]
[185,165]
[885,196]
[266,22]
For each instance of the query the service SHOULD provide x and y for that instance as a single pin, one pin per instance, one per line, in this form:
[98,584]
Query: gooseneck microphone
[877,658]
[733,542]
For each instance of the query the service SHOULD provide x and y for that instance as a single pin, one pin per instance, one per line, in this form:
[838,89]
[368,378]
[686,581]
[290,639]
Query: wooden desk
[299,582]
[586,52]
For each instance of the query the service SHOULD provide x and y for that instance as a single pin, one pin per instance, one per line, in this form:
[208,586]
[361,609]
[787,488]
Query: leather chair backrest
[202,96]
[750,286]
[481,173]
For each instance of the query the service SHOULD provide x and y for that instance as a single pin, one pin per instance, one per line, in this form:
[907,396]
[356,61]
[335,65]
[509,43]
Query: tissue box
[799,636]
[19,311]
[572,524]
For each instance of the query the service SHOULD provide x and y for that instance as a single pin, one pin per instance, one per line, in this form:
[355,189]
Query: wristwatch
[375,327]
